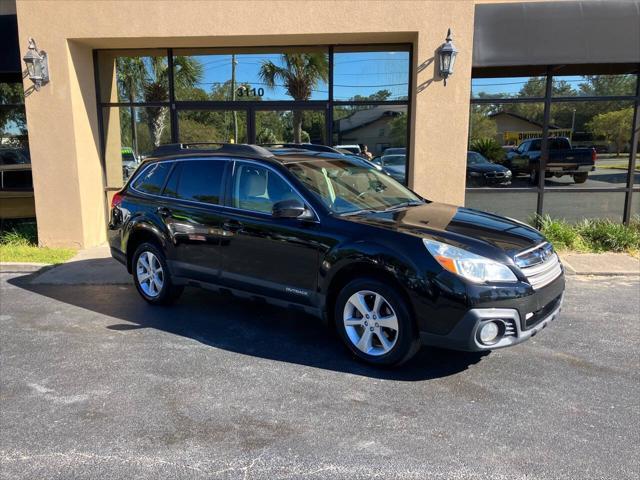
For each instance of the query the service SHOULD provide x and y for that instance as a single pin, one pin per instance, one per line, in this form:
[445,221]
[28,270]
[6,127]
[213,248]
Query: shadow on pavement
[245,327]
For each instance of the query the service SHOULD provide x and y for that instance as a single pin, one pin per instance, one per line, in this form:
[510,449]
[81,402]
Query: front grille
[540,265]
[543,313]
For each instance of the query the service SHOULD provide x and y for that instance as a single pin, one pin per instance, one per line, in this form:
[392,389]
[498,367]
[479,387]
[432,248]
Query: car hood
[486,167]
[460,226]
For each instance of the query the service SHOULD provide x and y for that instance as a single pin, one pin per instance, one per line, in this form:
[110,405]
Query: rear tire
[580,177]
[152,277]
[374,322]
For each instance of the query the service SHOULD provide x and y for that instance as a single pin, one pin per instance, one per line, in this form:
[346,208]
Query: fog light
[489,332]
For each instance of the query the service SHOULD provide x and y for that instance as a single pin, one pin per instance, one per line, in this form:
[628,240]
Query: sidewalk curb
[24,267]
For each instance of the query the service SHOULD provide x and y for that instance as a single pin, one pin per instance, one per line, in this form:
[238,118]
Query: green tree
[481,126]
[399,130]
[148,77]
[614,127]
[301,73]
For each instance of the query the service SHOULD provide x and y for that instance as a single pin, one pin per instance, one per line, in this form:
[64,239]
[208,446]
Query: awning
[533,35]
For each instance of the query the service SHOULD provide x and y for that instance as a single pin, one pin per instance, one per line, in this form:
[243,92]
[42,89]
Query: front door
[277,257]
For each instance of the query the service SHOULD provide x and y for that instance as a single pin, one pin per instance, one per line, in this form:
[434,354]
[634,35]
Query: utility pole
[234,62]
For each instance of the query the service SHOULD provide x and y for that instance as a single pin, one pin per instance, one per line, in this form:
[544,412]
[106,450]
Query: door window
[258,189]
[152,179]
[197,180]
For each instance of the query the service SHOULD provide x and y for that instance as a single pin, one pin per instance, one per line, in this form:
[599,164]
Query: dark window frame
[548,99]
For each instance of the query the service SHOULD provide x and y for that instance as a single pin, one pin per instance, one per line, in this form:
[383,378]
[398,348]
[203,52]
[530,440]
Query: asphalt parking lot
[96,384]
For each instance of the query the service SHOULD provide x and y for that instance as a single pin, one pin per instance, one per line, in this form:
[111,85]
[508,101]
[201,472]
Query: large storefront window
[580,169]
[16,184]
[340,96]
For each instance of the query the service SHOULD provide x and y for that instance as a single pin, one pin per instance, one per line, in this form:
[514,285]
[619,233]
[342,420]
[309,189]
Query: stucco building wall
[63,117]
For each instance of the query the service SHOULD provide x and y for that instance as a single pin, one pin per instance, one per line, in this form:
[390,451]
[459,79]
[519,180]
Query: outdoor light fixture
[447,57]
[37,65]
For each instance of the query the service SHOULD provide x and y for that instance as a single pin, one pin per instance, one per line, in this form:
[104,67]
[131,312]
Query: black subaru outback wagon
[334,236]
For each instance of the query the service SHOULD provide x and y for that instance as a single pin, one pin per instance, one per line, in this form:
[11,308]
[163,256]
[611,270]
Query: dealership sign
[516,138]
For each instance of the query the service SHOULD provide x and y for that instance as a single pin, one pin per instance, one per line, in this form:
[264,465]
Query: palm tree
[149,77]
[300,75]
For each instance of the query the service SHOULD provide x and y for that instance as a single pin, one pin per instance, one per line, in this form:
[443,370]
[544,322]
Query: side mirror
[290,209]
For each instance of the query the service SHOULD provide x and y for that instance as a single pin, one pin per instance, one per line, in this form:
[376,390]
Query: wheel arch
[361,269]
[141,232]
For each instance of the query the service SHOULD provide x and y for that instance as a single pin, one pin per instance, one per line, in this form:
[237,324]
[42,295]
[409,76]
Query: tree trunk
[297,126]
[157,121]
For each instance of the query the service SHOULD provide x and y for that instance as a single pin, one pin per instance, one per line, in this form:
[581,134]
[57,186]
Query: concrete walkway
[600,264]
[93,266]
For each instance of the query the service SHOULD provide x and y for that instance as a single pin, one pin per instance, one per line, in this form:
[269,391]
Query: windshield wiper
[357,212]
[410,203]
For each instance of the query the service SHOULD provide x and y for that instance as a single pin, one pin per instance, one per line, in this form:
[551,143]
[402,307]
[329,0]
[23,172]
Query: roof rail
[229,148]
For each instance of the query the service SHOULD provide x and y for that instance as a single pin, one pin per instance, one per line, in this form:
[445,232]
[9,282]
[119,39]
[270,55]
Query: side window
[152,179]
[535,146]
[523,147]
[257,189]
[197,180]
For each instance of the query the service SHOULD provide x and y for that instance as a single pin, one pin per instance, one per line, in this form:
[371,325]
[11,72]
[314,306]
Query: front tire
[374,322]
[152,277]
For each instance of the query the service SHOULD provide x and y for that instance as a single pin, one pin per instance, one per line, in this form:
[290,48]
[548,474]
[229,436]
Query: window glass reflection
[371,75]
[288,75]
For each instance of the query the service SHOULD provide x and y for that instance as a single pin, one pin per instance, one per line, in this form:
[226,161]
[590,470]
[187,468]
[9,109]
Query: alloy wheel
[150,274]
[370,323]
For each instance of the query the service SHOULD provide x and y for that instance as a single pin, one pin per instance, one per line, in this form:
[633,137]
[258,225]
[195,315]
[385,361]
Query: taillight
[594,155]
[116,201]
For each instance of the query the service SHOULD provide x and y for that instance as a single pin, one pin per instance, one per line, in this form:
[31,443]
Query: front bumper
[465,335]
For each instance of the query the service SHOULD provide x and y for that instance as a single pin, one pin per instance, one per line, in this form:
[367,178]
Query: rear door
[277,257]
[193,213]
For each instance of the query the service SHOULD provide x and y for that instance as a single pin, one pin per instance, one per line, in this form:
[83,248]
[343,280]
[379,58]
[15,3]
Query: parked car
[351,148]
[129,162]
[331,236]
[481,172]
[563,160]
[394,164]
[395,151]
[16,184]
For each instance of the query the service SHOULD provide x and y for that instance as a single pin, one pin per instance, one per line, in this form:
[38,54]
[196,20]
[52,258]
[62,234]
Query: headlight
[475,174]
[469,265]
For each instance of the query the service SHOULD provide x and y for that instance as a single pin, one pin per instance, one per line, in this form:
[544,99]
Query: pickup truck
[563,160]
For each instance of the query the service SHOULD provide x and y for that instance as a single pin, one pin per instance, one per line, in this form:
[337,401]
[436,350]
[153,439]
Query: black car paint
[295,262]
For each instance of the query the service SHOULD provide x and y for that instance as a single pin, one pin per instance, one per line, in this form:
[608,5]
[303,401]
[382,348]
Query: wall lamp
[37,65]
[447,58]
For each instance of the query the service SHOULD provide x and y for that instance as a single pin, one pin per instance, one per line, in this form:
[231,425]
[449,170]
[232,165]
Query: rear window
[198,180]
[152,178]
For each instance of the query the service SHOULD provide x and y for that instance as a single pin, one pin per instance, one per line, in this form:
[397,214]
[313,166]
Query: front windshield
[474,158]
[351,185]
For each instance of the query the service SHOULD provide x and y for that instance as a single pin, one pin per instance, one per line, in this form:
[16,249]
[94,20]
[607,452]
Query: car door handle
[163,211]
[232,225]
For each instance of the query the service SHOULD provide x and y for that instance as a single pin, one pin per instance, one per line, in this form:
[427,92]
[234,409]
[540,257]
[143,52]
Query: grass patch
[19,243]
[619,166]
[592,235]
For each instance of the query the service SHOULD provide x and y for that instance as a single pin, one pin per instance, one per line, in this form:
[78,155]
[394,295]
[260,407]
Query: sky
[511,85]
[358,73]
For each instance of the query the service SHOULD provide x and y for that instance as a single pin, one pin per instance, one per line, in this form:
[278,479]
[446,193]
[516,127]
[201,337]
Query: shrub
[19,234]
[592,235]
[490,148]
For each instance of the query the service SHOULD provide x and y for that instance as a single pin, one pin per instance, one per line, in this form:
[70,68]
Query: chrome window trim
[316,218]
